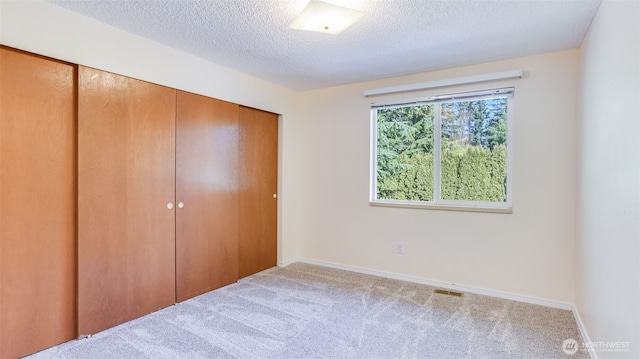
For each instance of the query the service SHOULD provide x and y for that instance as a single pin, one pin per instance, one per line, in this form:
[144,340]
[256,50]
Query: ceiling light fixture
[324,17]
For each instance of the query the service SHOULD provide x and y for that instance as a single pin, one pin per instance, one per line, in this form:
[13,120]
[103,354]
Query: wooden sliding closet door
[258,182]
[37,203]
[207,194]
[126,190]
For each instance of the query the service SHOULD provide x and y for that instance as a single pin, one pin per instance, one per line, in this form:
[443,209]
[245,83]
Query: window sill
[442,207]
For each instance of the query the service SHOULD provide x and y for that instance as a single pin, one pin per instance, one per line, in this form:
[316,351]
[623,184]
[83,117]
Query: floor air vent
[447,292]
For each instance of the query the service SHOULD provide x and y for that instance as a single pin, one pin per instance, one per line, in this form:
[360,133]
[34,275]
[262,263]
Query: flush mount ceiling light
[324,17]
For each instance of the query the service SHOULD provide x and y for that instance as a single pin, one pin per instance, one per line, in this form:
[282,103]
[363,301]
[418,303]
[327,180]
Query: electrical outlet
[400,248]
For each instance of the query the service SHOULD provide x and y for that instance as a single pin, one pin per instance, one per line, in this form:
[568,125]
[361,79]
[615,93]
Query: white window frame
[438,203]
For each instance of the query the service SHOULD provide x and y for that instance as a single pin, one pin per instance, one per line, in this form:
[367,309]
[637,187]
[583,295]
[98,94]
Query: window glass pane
[474,152]
[405,153]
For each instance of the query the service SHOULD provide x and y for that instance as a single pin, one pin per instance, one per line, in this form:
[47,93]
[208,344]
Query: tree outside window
[443,151]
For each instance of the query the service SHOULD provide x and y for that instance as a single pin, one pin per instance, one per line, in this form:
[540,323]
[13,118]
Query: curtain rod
[446,82]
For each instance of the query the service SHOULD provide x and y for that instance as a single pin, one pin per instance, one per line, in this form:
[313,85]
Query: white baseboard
[457,287]
[434,283]
[583,331]
[287,262]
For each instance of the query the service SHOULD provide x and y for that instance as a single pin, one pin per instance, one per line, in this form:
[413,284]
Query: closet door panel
[126,175]
[258,182]
[206,183]
[37,203]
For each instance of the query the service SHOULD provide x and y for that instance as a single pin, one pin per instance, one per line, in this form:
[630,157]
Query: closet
[37,203]
[177,196]
[119,197]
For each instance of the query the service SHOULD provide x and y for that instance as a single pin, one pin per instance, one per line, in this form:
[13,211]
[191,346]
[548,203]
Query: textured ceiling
[395,37]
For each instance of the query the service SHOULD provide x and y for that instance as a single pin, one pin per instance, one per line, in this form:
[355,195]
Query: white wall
[608,250]
[529,252]
[49,30]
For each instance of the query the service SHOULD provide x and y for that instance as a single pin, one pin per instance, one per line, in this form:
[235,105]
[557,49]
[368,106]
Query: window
[449,152]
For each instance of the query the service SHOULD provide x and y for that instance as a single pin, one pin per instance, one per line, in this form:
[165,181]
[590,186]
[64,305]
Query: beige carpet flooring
[307,311]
